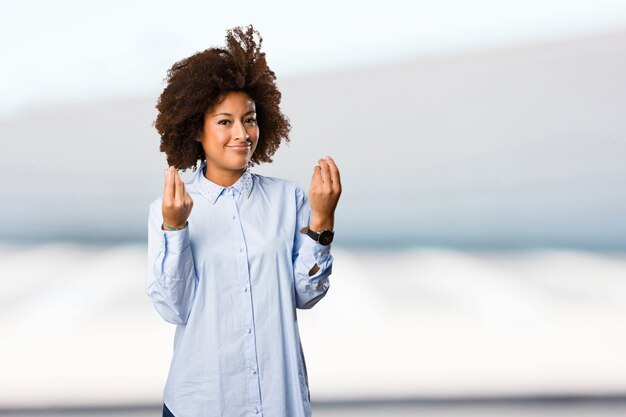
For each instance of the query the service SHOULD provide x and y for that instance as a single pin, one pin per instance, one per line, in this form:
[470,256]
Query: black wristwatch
[325,237]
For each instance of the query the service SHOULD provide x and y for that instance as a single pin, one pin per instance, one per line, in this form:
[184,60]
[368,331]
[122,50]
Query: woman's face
[230,135]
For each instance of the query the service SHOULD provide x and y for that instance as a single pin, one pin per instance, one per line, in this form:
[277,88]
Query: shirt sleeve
[171,280]
[307,254]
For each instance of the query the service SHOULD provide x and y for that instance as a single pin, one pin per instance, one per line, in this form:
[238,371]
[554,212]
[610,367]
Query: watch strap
[325,237]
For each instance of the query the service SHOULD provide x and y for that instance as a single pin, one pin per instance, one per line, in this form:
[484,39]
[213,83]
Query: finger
[168,193]
[325,171]
[188,200]
[316,179]
[334,171]
[178,193]
[184,193]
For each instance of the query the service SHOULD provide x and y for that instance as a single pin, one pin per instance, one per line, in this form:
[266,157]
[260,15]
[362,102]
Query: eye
[250,121]
[223,122]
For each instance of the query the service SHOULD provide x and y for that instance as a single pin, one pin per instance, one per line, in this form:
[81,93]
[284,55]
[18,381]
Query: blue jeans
[167,412]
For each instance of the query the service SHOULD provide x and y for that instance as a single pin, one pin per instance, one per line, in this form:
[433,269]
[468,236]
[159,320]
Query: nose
[241,132]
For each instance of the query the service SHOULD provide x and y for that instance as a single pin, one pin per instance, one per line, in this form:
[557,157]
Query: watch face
[326,237]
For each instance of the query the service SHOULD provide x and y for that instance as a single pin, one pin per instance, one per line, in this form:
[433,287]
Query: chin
[240,164]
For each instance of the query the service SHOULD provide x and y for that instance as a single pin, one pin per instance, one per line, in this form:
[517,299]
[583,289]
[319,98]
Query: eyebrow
[228,114]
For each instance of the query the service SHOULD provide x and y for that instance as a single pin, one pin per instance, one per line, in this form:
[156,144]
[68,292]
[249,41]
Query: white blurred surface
[78,329]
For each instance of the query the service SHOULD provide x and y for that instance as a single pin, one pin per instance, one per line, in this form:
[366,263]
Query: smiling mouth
[240,147]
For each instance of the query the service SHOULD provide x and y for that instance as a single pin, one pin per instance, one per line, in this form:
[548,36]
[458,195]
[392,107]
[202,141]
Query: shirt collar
[212,191]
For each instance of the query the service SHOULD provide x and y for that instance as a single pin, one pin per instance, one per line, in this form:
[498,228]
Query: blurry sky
[518,133]
[71,50]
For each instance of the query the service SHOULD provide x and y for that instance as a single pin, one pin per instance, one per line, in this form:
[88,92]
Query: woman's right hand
[177,204]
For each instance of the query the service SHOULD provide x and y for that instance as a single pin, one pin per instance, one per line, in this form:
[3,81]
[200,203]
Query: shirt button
[249,331]
[245,289]
[254,371]
[234,217]
[240,249]
[256,411]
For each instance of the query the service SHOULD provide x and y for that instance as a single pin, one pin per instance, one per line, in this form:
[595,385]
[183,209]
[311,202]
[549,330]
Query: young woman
[232,254]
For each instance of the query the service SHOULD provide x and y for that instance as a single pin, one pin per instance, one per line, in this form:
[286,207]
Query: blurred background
[481,235]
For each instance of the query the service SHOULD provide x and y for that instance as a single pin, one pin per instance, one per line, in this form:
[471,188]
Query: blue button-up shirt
[231,282]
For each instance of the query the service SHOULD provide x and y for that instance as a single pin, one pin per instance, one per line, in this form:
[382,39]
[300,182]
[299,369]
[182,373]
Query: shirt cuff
[176,241]
[312,252]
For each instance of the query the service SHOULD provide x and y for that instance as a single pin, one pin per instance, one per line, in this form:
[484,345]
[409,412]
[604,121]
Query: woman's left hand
[324,194]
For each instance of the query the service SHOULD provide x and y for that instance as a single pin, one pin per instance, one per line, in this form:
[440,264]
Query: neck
[222,178]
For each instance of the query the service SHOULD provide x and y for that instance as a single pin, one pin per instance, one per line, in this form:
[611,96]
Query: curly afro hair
[198,83]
